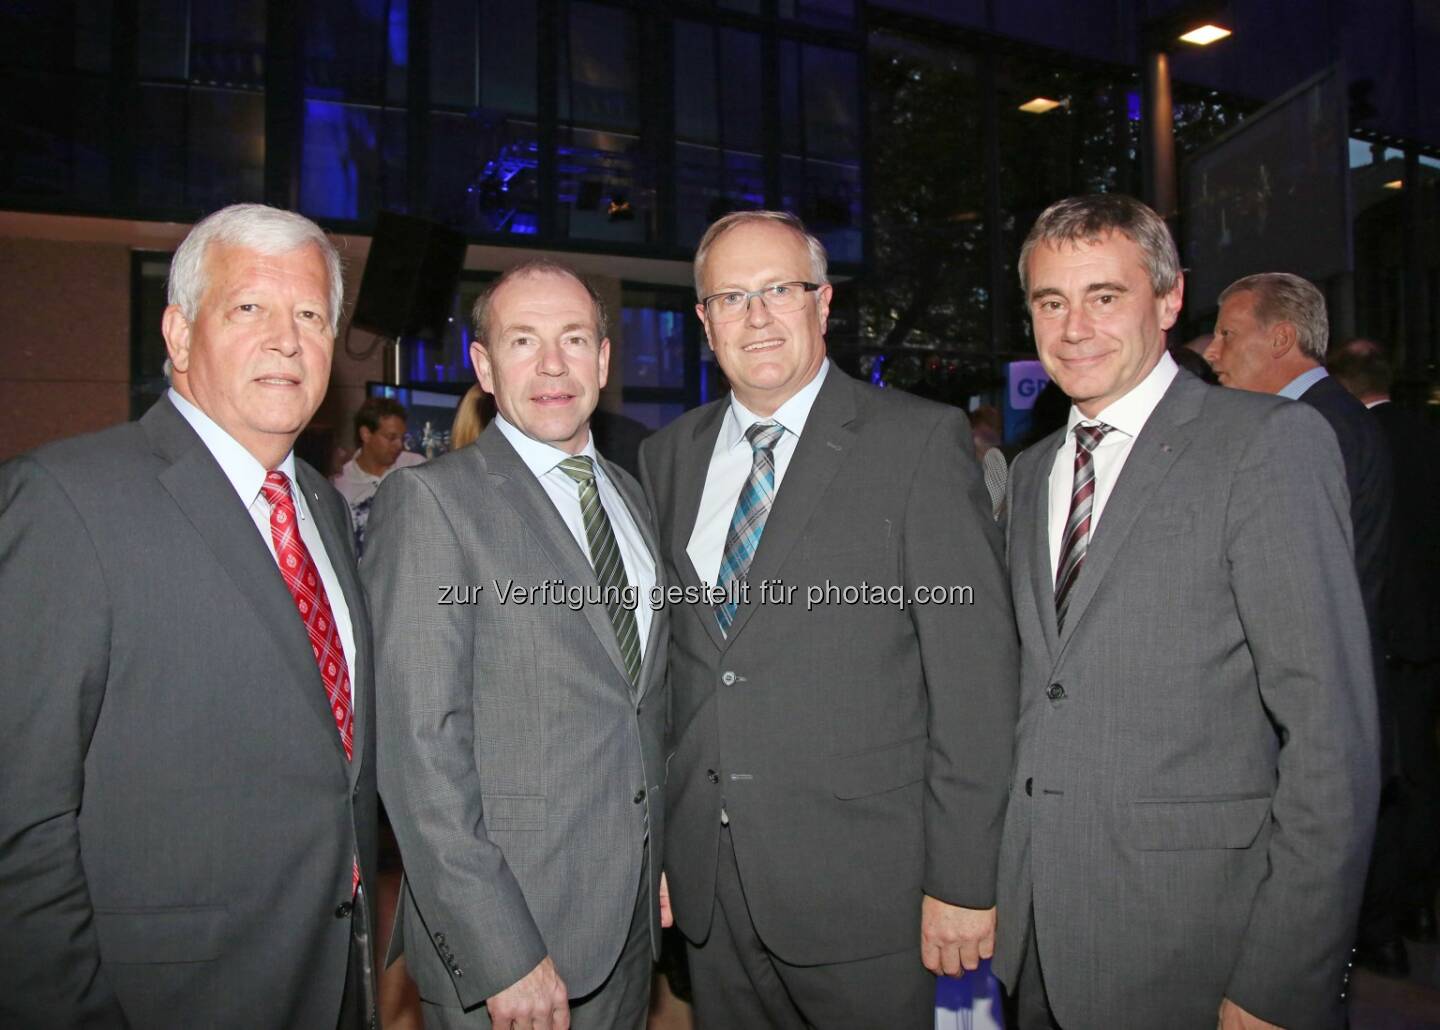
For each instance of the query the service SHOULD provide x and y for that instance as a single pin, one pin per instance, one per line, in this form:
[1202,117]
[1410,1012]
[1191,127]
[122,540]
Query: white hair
[819,260]
[257,227]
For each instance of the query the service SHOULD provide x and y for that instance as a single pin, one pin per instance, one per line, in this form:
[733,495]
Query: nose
[551,361]
[757,315]
[287,339]
[1077,324]
[1212,351]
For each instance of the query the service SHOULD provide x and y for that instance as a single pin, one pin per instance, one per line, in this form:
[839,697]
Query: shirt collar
[541,458]
[1297,386]
[244,471]
[793,414]
[1130,413]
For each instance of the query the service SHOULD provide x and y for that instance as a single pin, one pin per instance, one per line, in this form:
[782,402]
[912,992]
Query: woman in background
[476,410]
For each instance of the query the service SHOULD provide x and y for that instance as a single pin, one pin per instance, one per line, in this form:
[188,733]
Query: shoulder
[93,465]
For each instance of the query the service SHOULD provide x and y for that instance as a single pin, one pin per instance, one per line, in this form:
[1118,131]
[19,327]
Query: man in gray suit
[187,781]
[1195,778]
[522,682]
[843,705]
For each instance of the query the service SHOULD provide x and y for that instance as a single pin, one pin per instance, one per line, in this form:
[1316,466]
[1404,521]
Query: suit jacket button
[639,795]
[712,776]
[727,678]
[1029,784]
[1056,692]
[343,910]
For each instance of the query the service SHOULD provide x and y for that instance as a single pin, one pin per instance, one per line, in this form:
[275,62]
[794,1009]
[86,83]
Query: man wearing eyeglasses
[843,665]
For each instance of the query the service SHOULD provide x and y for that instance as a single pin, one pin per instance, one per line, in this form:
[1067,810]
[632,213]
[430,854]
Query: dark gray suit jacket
[861,750]
[177,817]
[517,764]
[1196,774]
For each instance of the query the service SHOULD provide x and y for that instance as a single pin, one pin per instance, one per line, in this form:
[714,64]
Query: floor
[1380,1003]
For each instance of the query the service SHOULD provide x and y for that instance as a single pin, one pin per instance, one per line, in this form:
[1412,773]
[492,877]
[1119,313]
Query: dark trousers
[738,982]
[1406,851]
[357,1001]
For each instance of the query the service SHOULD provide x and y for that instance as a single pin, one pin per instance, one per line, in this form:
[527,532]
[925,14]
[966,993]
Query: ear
[176,330]
[604,359]
[705,322]
[364,435]
[1171,303]
[822,305]
[484,374]
[1283,339]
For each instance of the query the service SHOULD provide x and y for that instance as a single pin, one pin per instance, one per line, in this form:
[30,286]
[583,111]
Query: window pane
[164,39]
[354,161]
[605,191]
[836,14]
[507,56]
[482,169]
[227,43]
[454,50]
[930,284]
[356,50]
[55,35]
[820,126]
[226,148]
[598,74]
[57,139]
[653,334]
[655,416]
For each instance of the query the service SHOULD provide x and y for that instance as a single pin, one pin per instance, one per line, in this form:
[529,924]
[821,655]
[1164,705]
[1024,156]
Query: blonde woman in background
[473,414]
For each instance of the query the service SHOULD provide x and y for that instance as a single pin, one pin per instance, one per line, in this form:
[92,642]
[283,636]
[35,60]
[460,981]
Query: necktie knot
[1089,437]
[763,436]
[579,468]
[276,488]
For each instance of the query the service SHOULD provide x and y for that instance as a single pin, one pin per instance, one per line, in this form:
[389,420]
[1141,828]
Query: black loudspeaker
[410,277]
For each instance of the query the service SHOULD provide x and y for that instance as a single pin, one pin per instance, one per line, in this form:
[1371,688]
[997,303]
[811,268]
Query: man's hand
[537,1001]
[1233,1017]
[952,938]
[667,917]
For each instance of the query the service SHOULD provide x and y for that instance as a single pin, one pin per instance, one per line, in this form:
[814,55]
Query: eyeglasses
[777,297]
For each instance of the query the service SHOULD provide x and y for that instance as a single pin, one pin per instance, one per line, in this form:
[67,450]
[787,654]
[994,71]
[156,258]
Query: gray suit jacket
[1196,774]
[177,817]
[518,767]
[860,749]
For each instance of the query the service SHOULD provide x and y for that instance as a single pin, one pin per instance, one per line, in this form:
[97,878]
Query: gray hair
[1282,297]
[1091,218]
[258,227]
[819,260]
[480,313]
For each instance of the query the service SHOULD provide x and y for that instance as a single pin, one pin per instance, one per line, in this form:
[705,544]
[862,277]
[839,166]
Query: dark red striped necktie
[1075,540]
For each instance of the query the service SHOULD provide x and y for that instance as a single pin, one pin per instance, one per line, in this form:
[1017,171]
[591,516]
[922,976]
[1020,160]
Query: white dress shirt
[1295,388]
[247,476]
[1126,417]
[544,461]
[730,465]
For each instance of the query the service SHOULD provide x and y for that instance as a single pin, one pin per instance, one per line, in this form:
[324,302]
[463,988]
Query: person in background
[1407,860]
[472,415]
[380,436]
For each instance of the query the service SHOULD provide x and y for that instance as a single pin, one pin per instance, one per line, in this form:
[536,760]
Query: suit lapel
[1169,430]
[692,467]
[523,492]
[199,488]
[818,456]
[1035,501]
[335,536]
[639,514]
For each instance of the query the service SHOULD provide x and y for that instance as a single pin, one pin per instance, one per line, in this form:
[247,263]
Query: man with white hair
[187,787]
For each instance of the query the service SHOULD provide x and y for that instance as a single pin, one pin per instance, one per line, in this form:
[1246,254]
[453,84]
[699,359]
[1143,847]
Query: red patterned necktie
[303,579]
[1075,541]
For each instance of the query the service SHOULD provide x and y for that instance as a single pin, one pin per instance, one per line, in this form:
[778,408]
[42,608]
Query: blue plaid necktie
[748,522]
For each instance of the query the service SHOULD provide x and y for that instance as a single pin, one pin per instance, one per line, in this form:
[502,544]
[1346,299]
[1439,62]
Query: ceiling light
[1040,105]
[1395,184]
[1204,35]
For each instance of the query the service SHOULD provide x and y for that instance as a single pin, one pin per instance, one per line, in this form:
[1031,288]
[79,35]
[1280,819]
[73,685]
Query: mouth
[552,397]
[279,379]
[762,346]
[1087,361]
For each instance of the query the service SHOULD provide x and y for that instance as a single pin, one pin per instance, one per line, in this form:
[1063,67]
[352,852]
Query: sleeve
[54,649]
[969,651]
[467,895]
[1292,572]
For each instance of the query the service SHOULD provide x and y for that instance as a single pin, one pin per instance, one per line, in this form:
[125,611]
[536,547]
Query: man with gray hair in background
[187,775]
[1194,782]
